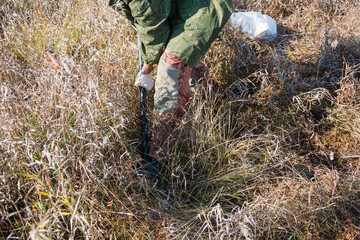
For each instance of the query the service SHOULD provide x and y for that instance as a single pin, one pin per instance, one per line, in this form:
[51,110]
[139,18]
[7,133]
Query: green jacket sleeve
[122,8]
[150,20]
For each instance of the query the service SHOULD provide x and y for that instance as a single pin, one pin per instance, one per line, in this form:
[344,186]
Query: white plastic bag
[255,24]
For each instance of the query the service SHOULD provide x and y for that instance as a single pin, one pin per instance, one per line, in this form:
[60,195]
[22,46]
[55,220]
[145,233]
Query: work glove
[144,80]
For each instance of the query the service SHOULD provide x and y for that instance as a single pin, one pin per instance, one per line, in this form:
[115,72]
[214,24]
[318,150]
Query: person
[175,34]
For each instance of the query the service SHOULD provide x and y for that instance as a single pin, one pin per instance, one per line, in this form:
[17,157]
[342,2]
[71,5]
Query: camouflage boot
[172,93]
[202,84]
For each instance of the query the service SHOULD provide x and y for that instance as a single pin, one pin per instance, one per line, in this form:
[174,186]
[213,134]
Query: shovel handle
[143,105]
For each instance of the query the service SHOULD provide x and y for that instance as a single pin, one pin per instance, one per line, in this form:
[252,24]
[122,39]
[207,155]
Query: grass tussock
[276,158]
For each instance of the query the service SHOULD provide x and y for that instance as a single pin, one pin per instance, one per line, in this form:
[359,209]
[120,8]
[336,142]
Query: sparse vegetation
[277,157]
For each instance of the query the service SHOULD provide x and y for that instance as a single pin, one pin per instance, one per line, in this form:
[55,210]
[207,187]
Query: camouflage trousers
[172,93]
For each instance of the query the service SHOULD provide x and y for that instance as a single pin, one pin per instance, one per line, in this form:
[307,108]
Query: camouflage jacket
[185,27]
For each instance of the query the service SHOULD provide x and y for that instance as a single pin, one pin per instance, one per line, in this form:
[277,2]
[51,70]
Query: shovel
[150,167]
[142,105]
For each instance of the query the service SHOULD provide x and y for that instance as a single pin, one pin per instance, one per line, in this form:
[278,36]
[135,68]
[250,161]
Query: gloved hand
[144,80]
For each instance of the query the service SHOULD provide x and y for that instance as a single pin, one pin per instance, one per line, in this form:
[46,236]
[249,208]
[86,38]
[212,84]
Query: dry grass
[277,158]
